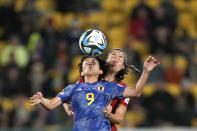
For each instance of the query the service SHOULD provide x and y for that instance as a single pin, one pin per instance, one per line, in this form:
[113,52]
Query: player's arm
[46,103]
[67,108]
[149,65]
[118,116]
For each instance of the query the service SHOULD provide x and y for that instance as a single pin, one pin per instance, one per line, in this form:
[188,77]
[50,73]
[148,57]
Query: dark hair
[121,74]
[102,65]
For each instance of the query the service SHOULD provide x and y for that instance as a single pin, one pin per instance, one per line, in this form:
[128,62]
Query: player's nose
[90,64]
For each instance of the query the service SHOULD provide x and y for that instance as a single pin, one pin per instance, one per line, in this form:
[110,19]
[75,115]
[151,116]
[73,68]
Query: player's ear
[82,74]
[123,66]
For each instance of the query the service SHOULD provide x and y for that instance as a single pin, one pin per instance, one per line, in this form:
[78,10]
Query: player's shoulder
[68,88]
[71,86]
[121,83]
[113,83]
[106,83]
[103,82]
[78,85]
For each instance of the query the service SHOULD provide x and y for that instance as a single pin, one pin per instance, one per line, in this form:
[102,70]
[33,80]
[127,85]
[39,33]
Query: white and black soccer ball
[92,42]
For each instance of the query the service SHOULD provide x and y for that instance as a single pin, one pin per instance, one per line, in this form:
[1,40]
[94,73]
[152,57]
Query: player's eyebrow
[86,60]
[121,56]
[94,59]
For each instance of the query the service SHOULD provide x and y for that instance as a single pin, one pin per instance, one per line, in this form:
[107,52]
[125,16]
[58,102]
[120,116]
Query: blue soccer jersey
[88,101]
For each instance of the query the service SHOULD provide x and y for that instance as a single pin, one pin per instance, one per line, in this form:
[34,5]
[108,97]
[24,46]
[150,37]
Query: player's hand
[107,111]
[36,99]
[150,63]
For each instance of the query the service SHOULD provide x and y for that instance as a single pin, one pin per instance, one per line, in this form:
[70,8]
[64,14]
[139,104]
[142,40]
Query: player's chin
[115,68]
[90,72]
[112,63]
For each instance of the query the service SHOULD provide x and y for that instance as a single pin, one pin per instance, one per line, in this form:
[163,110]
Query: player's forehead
[117,52]
[90,59]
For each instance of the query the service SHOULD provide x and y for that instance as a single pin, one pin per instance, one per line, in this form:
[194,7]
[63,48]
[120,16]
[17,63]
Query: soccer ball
[92,42]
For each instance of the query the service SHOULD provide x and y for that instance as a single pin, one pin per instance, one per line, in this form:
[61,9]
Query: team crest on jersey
[101,88]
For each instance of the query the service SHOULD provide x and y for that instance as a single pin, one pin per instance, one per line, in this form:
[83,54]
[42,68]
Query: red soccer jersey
[115,102]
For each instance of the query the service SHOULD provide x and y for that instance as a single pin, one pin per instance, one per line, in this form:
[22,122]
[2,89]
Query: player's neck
[90,79]
[110,76]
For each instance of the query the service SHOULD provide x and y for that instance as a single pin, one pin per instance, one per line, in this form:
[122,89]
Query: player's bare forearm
[141,83]
[137,90]
[67,108]
[51,104]
[46,103]
[115,119]
[118,116]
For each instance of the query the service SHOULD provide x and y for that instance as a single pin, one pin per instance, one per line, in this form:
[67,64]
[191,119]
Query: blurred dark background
[39,52]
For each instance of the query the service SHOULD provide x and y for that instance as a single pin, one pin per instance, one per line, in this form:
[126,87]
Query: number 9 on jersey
[90,97]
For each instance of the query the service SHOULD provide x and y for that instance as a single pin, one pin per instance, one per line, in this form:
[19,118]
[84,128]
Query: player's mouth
[90,67]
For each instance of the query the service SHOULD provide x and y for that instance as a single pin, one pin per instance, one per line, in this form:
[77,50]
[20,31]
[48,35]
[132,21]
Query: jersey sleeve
[124,101]
[117,91]
[66,93]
